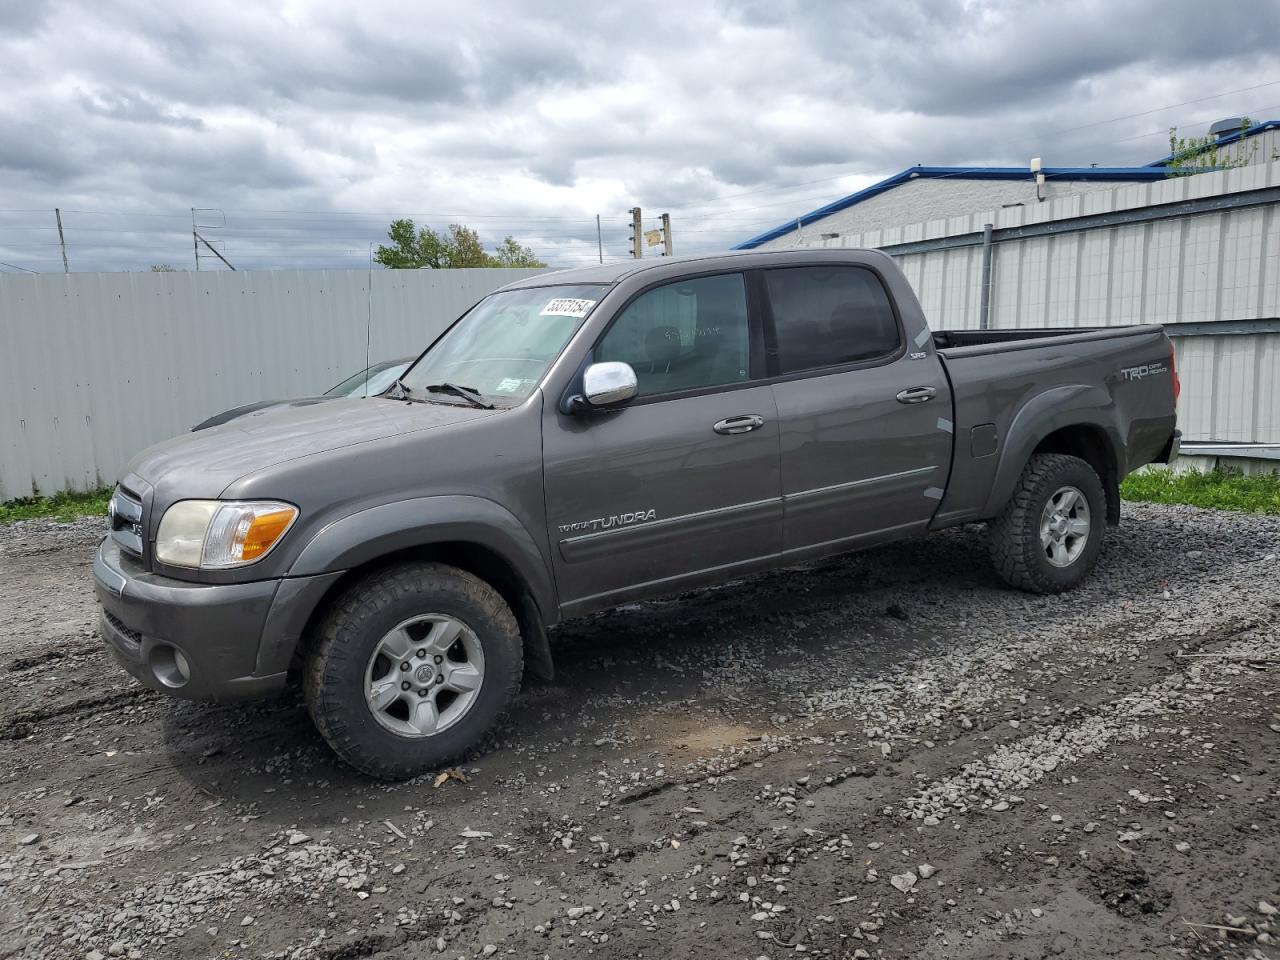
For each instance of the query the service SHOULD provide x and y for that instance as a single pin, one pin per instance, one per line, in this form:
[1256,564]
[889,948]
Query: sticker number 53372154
[567,307]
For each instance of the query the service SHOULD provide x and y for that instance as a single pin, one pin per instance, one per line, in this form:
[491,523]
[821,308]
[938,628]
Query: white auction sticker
[567,307]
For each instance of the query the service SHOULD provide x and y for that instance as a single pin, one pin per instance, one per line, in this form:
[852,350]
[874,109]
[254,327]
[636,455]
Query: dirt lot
[883,755]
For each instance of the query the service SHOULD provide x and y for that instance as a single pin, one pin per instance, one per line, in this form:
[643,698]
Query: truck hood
[204,463]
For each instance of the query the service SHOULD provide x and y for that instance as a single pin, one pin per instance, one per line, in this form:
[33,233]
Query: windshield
[380,376]
[502,346]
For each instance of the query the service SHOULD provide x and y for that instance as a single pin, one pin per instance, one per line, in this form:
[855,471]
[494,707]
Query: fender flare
[368,534]
[1069,405]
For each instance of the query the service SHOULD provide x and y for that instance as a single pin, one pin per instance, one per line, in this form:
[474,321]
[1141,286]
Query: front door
[682,485]
[866,434]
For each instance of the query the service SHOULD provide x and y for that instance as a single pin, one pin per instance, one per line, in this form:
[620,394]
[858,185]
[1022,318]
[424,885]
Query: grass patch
[1218,489]
[64,507]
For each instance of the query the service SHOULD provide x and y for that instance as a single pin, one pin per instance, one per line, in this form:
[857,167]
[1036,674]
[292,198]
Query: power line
[1172,106]
[323,216]
[1165,132]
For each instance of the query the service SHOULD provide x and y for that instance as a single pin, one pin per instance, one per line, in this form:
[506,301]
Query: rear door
[866,435]
[682,485]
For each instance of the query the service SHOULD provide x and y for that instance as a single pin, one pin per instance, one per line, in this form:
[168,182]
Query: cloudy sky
[299,130]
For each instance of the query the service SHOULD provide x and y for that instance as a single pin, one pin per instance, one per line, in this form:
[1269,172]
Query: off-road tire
[334,672]
[1016,549]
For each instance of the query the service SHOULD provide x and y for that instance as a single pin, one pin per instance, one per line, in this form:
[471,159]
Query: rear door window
[827,316]
[685,335]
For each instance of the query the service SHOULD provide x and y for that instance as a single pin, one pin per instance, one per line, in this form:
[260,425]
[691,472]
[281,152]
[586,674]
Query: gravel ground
[882,755]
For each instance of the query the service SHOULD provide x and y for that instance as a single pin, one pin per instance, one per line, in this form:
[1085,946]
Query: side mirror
[609,384]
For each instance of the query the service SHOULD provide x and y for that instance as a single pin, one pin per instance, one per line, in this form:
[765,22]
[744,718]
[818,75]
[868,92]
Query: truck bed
[1114,382]
[950,341]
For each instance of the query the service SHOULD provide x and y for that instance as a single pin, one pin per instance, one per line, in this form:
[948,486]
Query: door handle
[916,394]
[743,424]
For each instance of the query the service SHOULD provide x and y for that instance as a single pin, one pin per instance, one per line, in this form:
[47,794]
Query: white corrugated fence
[95,367]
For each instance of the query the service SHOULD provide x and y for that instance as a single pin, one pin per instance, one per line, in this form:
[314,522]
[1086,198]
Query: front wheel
[1049,536]
[411,667]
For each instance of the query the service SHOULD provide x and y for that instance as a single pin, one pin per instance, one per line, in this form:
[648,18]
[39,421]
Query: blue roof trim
[1152,171]
[1253,131]
[1146,173]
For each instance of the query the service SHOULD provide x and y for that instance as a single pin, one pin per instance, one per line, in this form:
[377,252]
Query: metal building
[1198,253]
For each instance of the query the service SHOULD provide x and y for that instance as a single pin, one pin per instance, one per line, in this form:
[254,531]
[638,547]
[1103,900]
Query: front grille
[133,636]
[125,514]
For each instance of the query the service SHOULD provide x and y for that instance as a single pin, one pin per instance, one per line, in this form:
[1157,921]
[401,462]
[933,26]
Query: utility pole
[599,239]
[66,267]
[195,238]
[637,234]
[666,234]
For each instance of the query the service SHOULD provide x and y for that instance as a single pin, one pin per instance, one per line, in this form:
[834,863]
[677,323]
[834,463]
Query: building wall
[929,198]
[1212,267]
[95,367]
[1192,462]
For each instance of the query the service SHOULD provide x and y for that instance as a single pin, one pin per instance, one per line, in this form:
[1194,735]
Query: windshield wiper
[404,394]
[466,393]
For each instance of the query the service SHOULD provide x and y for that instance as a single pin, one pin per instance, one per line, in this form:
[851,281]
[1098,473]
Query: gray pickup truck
[586,438]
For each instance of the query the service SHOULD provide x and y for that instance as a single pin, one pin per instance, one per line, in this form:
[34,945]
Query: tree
[163,268]
[465,249]
[1189,155]
[512,254]
[412,248]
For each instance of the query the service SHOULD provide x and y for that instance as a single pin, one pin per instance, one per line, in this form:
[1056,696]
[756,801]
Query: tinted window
[830,315]
[682,336]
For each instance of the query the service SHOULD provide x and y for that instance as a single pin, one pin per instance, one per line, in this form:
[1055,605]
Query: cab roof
[611,273]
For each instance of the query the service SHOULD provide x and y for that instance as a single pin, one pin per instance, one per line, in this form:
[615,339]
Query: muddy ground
[888,754]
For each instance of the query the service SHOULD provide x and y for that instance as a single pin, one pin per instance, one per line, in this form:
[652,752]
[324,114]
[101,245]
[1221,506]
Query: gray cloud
[527,118]
[137,107]
[22,17]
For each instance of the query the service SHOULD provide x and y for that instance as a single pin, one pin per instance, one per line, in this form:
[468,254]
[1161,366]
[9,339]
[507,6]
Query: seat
[719,353]
[662,347]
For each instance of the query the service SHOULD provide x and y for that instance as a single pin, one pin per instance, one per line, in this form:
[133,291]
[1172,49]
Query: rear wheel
[1050,534]
[411,667]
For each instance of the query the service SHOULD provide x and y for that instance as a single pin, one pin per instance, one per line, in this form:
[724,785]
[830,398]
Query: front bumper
[200,641]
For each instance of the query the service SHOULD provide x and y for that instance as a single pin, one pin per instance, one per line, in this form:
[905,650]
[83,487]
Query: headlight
[217,534]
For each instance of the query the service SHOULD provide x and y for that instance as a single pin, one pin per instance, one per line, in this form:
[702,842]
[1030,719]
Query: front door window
[682,336]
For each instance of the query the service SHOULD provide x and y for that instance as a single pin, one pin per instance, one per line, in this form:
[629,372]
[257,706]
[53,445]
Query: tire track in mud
[20,725]
[820,728]
[992,779]
[52,654]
